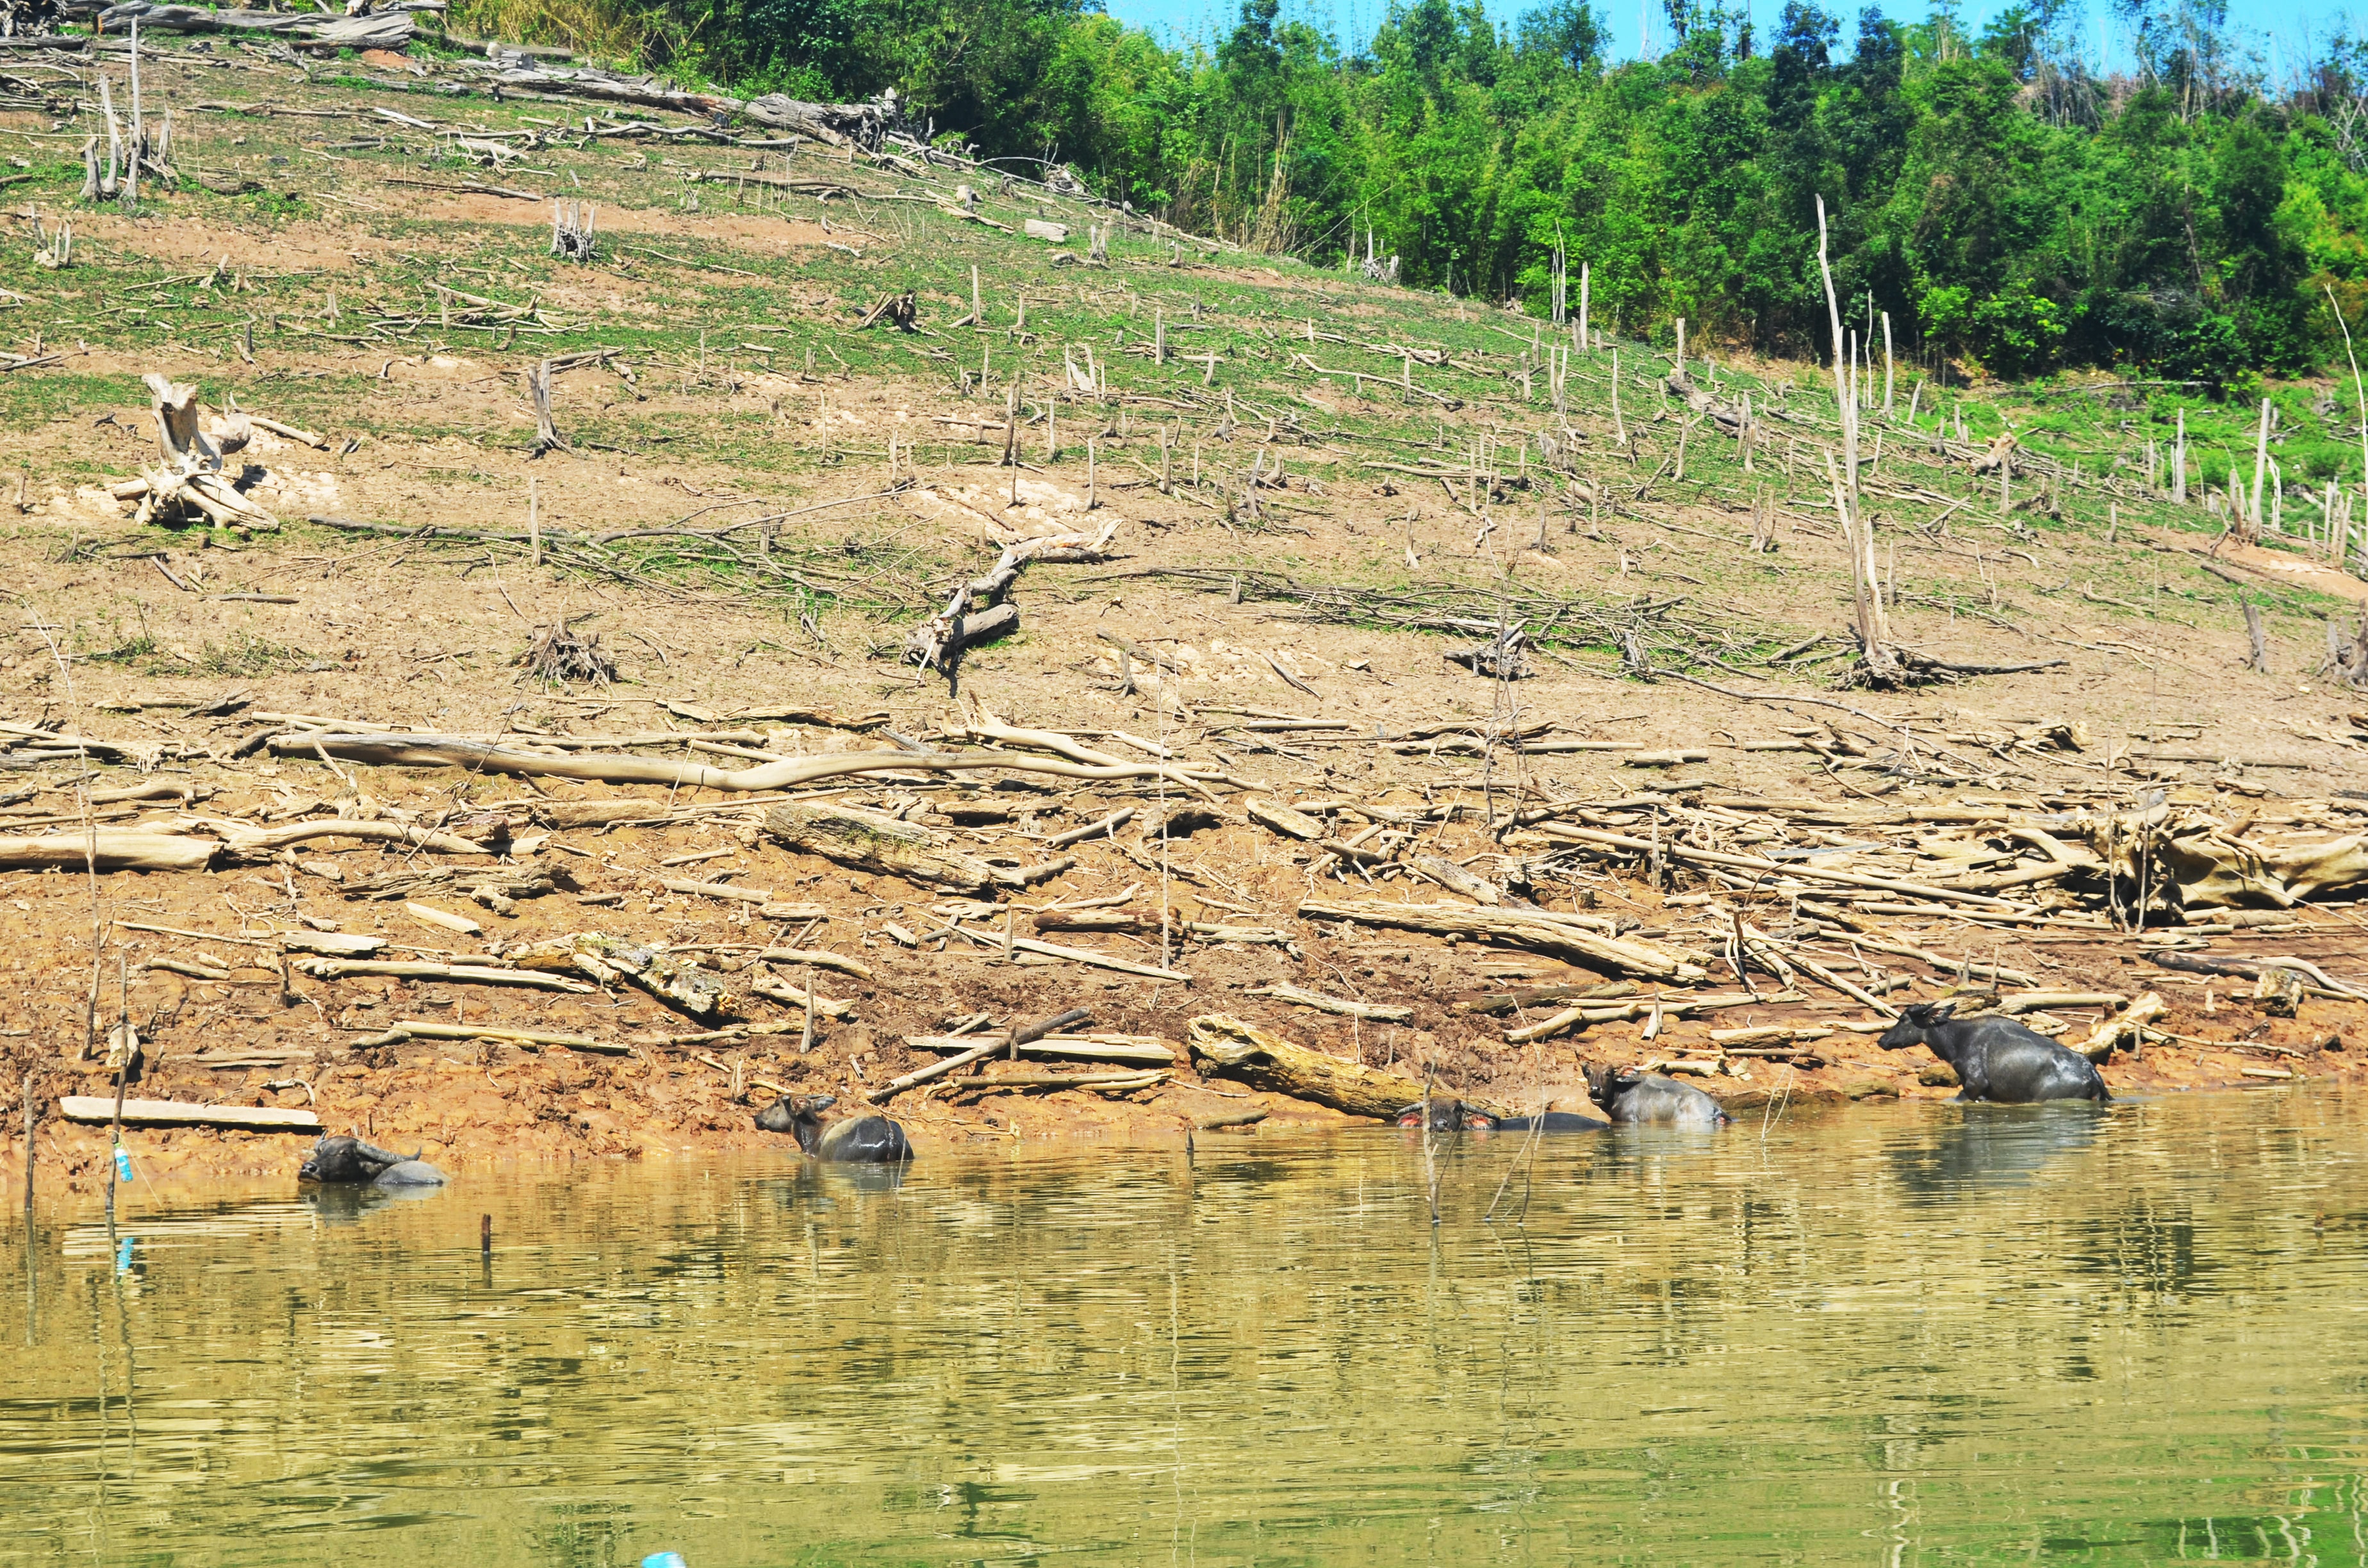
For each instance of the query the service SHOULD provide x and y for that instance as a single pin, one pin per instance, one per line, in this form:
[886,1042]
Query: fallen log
[818,958]
[798,996]
[1141,1050]
[939,640]
[114,851]
[1582,1016]
[243,838]
[1104,1082]
[1007,1040]
[1502,1002]
[2037,1000]
[729,892]
[1099,961]
[605,959]
[1283,819]
[458,974]
[100,1110]
[1529,929]
[2122,1032]
[1227,1046]
[1371,1012]
[874,842]
[2251,969]
[1455,879]
[385,30]
[418,1030]
[1598,838]
[481,756]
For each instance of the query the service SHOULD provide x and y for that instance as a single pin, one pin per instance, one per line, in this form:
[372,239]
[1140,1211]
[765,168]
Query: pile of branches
[556,655]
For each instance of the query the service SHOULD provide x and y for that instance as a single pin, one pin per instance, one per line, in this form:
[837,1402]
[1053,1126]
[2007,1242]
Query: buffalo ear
[1938,1011]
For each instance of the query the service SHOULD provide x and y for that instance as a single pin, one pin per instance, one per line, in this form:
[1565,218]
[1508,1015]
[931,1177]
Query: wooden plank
[100,1108]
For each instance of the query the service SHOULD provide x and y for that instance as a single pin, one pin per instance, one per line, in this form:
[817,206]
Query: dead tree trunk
[547,438]
[1879,663]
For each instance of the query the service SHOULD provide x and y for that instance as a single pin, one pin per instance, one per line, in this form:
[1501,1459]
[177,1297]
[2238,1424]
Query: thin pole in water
[30,1119]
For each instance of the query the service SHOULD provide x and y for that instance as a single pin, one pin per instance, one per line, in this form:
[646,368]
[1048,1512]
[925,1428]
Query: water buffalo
[349,1161]
[1647,1098]
[866,1140]
[1995,1058]
[1455,1115]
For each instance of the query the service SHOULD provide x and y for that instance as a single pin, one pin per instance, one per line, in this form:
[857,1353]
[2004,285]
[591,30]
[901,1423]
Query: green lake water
[1883,1335]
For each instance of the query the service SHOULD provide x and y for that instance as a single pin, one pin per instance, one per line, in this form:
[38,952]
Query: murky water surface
[1884,1336]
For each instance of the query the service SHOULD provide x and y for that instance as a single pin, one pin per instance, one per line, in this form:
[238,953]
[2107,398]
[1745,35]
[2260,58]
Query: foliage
[2009,212]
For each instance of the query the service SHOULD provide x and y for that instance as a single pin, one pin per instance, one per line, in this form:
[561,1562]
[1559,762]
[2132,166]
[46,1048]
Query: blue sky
[2282,29]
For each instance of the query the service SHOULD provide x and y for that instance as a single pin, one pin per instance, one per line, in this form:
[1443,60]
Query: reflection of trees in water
[2147,1246]
[2130,1237]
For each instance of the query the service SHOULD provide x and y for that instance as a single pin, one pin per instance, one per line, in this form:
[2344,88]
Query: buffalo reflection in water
[1994,1146]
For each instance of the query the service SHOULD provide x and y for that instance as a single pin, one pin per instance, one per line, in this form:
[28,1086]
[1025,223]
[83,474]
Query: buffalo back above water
[334,1161]
[1650,1099]
[864,1140]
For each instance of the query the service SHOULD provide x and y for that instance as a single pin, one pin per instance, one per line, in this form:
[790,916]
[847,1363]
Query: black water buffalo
[351,1161]
[1455,1115]
[1649,1099]
[866,1140]
[1995,1058]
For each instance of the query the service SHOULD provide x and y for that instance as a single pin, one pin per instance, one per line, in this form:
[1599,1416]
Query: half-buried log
[870,841]
[1227,1047]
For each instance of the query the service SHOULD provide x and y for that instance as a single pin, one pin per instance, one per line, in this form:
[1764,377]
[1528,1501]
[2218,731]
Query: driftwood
[677,983]
[100,1110]
[1538,929]
[1227,1046]
[870,841]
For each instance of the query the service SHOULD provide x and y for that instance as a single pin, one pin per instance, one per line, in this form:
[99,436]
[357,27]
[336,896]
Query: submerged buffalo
[1455,1115]
[866,1140]
[350,1162]
[1995,1058]
[1650,1099]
